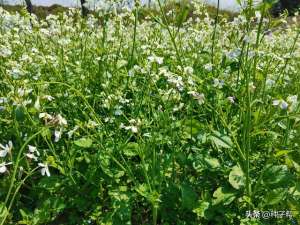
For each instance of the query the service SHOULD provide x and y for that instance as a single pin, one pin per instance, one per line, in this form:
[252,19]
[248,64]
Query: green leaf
[237,177]
[282,152]
[223,195]
[203,161]
[19,113]
[3,210]
[201,209]
[84,142]
[221,140]
[142,189]
[131,149]
[51,184]
[275,196]
[46,133]
[188,196]
[212,162]
[275,176]
[192,127]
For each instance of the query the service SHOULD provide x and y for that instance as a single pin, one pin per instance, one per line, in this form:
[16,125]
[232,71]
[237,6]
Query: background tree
[84,9]
[290,5]
[29,6]
[3,2]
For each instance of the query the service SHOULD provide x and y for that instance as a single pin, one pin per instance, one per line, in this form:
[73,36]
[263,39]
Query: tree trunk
[84,10]
[28,6]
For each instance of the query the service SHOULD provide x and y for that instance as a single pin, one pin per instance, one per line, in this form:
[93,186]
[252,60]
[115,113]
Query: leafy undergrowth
[116,120]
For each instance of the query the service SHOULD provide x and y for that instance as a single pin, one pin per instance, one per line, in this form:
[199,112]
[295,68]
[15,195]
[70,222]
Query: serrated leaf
[220,140]
[275,196]
[223,195]
[84,142]
[237,177]
[276,175]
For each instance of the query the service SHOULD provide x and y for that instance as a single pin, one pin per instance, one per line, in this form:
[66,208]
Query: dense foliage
[291,6]
[166,120]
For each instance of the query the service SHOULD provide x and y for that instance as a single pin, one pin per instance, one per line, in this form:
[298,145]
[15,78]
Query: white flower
[218,83]
[92,124]
[247,39]
[133,125]
[179,107]
[208,67]
[3,100]
[33,149]
[281,103]
[37,104]
[48,97]
[231,99]
[134,129]
[33,153]
[197,96]
[31,156]
[270,83]
[4,51]
[233,55]
[188,70]
[26,102]
[3,167]
[5,149]
[61,121]
[131,73]
[45,116]
[156,59]
[257,14]
[57,135]
[177,81]
[252,87]
[44,169]
[71,132]
[293,100]
[22,92]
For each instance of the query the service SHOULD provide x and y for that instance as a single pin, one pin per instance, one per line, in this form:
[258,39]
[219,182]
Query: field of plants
[163,119]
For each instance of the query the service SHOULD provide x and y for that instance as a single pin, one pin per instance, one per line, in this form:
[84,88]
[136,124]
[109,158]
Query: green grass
[171,116]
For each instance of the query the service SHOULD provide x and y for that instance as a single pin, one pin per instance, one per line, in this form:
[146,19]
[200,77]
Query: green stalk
[171,34]
[247,116]
[214,38]
[134,34]
[154,214]
[12,183]
[14,195]
[247,135]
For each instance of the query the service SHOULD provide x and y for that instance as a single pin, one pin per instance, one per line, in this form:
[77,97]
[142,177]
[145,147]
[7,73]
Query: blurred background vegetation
[289,6]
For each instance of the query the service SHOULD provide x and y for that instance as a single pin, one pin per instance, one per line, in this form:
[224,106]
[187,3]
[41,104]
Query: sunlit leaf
[84,142]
